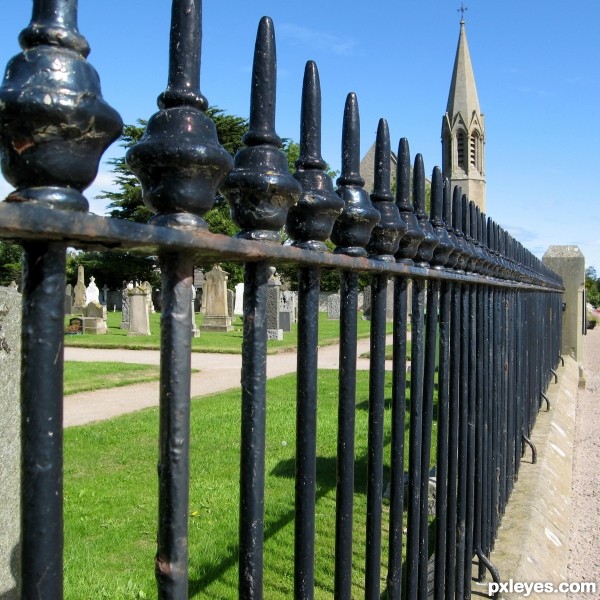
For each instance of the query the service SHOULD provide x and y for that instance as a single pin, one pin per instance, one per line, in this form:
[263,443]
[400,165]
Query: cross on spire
[462,10]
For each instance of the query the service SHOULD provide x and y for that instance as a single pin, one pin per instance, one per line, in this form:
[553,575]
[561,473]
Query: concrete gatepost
[10,442]
[569,263]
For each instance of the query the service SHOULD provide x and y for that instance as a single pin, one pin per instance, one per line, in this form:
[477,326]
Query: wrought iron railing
[484,315]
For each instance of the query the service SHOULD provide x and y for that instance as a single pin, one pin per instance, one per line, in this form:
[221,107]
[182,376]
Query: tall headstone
[105,295]
[195,330]
[238,308]
[139,319]
[367,303]
[333,307]
[230,302]
[10,442]
[216,317]
[92,293]
[68,299]
[80,292]
[125,304]
[274,331]
[145,285]
[389,305]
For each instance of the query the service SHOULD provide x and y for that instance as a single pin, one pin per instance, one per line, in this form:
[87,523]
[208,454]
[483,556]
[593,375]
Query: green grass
[86,376]
[111,504]
[224,342]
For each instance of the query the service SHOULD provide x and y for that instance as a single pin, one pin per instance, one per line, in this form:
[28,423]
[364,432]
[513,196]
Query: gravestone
[215,293]
[230,302]
[145,285]
[80,293]
[68,299]
[288,303]
[367,303]
[274,331]
[10,442]
[195,330]
[238,308]
[92,293]
[125,304]
[333,307]
[389,306]
[139,320]
[94,318]
[105,295]
[285,321]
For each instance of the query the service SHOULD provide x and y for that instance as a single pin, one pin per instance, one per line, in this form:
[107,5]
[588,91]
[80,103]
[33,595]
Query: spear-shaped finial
[352,230]
[260,189]
[309,223]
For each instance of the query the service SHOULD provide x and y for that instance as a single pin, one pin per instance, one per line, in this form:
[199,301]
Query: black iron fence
[484,314]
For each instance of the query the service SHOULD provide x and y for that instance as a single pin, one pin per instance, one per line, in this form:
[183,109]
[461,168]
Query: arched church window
[475,150]
[461,150]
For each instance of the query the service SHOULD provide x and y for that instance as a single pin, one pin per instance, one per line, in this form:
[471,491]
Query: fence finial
[352,230]
[385,236]
[409,243]
[310,222]
[430,241]
[260,189]
[179,160]
[445,246]
[55,124]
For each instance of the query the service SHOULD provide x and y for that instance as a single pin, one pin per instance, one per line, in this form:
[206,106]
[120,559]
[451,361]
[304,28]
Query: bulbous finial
[260,189]
[309,223]
[385,236]
[55,124]
[409,243]
[179,160]
[352,230]
[445,246]
[430,241]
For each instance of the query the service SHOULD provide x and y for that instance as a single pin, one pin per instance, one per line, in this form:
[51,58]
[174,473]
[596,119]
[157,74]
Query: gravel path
[218,372]
[584,555]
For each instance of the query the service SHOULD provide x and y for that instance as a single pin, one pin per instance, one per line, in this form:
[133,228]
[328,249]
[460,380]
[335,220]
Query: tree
[10,263]
[592,286]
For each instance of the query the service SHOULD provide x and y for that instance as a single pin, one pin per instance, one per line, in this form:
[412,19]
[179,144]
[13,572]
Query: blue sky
[535,63]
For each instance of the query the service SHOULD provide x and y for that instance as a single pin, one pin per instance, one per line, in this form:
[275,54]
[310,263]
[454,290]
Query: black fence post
[55,127]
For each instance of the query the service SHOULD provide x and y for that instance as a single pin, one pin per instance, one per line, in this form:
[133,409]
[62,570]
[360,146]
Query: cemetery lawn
[111,503]
[226,342]
[87,376]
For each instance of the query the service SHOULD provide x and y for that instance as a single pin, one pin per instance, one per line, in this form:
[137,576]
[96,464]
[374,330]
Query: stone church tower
[463,131]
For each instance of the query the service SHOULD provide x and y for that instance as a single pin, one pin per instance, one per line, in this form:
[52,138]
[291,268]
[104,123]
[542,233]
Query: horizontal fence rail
[482,314]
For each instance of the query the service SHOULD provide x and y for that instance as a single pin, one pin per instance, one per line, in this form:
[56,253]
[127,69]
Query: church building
[463,129]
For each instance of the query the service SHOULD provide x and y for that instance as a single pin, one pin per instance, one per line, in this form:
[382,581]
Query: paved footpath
[218,372]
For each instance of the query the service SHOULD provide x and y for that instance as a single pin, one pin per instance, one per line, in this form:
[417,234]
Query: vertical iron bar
[453,443]
[461,505]
[442,441]
[41,420]
[394,577]
[417,366]
[375,437]
[345,448]
[433,298]
[306,432]
[174,438]
[252,467]
[471,440]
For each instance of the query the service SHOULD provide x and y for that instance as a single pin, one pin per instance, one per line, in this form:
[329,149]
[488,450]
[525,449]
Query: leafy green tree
[592,286]
[10,263]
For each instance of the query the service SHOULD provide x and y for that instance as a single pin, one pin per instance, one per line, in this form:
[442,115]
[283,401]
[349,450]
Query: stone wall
[10,443]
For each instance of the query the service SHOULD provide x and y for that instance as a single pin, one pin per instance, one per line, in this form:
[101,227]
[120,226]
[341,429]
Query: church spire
[463,134]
